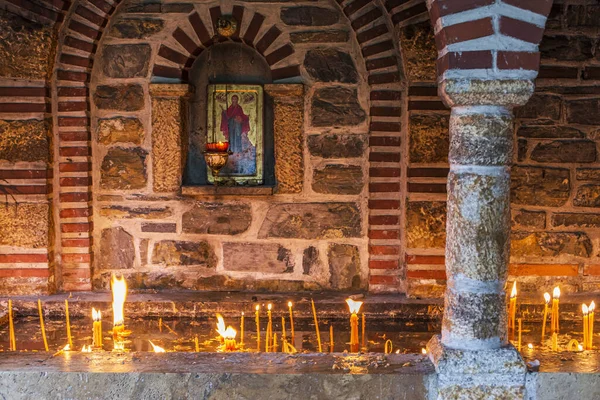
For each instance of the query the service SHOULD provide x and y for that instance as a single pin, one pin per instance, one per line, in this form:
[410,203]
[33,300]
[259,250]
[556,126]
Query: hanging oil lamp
[217,152]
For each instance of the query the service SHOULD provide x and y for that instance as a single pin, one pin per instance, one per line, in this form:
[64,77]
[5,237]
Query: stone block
[344,266]
[144,251]
[175,252]
[136,28]
[24,225]
[119,97]
[583,111]
[312,221]
[429,138]
[125,212]
[123,168]
[587,174]
[330,65]
[529,218]
[309,16]
[116,249]
[338,179]
[168,125]
[566,48]
[565,151]
[583,15]
[24,140]
[120,130]
[587,196]
[257,257]
[337,145]
[336,106]
[26,47]
[217,218]
[549,132]
[550,244]
[329,36]
[162,227]
[581,220]
[540,186]
[310,260]
[419,51]
[541,107]
[126,60]
[426,224]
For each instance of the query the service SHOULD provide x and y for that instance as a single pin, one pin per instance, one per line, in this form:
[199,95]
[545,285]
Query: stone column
[473,357]
[169,134]
[288,132]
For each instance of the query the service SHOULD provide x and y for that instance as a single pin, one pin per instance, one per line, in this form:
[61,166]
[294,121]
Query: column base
[490,374]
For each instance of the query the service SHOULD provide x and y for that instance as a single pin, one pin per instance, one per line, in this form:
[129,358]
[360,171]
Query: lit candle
[257,318]
[42,324]
[554,341]
[242,330]
[119,293]
[331,338]
[363,331]
[227,334]
[97,328]
[316,325]
[269,329]
[591,309]
[11,327]
[291,320]
[354,307]
[156,349]
[586,331]
[520,330]
[555,302]
[512,309]
[283,336]
[547,300]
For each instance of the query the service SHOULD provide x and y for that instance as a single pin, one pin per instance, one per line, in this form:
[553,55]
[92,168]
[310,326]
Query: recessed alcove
[228,63]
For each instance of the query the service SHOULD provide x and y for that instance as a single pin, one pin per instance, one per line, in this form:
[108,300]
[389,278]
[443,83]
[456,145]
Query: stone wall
[554,181]
[309,234]
[26,243]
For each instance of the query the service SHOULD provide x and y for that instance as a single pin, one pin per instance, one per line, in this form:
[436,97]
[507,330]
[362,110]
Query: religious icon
[235,115]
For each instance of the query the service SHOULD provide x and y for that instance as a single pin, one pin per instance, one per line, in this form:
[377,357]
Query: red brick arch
[83,29]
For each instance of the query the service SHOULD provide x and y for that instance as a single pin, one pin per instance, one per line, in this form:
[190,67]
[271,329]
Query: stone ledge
[227,190]
[214,376]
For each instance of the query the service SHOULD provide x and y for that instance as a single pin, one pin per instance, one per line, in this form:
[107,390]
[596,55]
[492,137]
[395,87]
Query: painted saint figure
[234,124]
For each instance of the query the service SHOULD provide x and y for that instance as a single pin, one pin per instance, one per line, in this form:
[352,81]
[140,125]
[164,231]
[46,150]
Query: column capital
[507,93]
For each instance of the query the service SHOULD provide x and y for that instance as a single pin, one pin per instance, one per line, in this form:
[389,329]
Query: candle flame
[269,306]
[87,348]
[592,306]
[556,293]
[354,305]
[513,292]
[225,333]
[96,315]
[530,346]
[157,349]
[580,347]
[289,304]
[584,309]
[547,297]
[119,292]
[423,351]
[257,307]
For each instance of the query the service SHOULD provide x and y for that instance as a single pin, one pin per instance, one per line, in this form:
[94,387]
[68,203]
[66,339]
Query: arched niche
[231,63]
